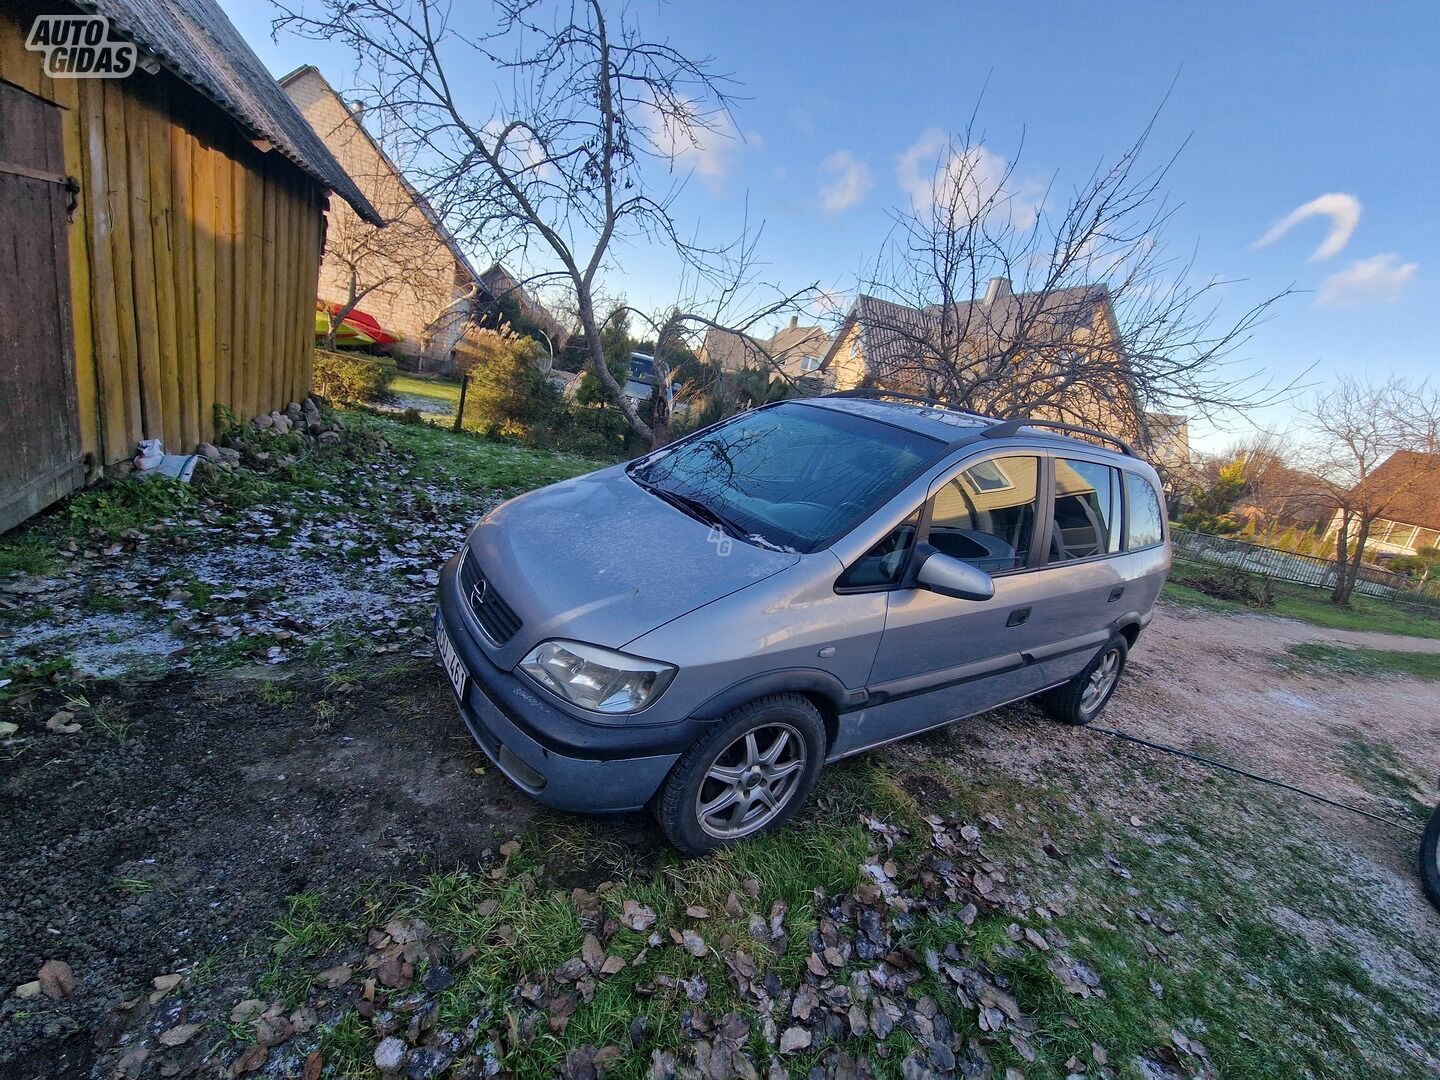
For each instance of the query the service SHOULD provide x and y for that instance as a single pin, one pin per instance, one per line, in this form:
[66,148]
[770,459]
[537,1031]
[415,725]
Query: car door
[941,658]
[1080,570]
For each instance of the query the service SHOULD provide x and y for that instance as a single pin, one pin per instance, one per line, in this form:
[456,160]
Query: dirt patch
[177,846]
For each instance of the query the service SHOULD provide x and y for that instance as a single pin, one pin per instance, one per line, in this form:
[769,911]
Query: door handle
[1018,616]
[1116,593]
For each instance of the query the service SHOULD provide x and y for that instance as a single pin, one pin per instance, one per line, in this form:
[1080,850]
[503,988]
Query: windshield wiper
[701,511]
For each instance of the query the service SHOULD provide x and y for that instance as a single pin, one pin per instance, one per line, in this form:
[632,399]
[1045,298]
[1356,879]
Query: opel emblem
[478,593]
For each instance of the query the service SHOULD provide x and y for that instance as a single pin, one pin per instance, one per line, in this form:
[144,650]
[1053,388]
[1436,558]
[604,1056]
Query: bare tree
[1371,446]
[1020,302]
[566,165]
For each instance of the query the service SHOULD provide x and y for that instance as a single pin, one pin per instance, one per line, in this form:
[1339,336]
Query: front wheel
[1430,858]
[1080,700]
[746,776]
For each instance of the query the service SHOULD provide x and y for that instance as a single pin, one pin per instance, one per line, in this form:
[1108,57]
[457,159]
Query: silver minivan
[699,630]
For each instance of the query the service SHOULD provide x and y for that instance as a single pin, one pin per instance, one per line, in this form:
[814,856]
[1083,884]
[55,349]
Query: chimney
[998,289]
[357,110]
[794,321]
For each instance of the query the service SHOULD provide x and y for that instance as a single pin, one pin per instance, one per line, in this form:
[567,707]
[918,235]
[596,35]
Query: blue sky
[1282,104]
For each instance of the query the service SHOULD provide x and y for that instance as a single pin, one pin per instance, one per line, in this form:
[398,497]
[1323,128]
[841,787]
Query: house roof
[193,40]
[499,282]
[733,350]
[1414,479]
[894,335]
[730,350]
[421,203]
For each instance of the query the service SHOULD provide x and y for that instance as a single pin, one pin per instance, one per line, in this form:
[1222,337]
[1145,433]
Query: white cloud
[693,145]
[1343,212]
[932,169]
[851,184]
[1379,279]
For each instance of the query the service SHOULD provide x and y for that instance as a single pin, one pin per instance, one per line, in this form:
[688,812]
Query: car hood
[600,559]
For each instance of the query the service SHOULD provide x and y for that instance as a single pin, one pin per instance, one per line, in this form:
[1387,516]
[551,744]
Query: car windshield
[793,477]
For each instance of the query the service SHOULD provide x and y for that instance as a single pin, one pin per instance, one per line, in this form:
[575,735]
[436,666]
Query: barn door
[39,440]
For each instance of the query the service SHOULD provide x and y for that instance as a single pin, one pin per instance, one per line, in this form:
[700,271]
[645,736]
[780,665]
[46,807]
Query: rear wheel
[1430,858]
[746,777]
[1081,699]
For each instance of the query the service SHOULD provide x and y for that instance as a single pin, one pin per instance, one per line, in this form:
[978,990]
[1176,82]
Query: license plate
[450,661]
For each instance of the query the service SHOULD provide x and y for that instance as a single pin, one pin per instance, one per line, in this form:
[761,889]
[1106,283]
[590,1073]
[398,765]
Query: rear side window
[1087,510]
[1142,526]
[986,515]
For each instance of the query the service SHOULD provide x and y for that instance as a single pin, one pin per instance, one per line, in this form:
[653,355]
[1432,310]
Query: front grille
[495,616]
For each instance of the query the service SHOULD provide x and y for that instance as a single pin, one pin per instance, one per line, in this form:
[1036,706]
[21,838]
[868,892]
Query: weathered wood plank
[162,221]
[121,252]
[203,177]
[239,355]
[136,149]
[294,271]
[310,282]
[114,439]
[224,280]
[182,239]
[67,96]
[255,336]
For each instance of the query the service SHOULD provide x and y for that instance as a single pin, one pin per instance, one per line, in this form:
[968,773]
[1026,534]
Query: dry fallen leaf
[794,1038]
[178,1035]
[636,916]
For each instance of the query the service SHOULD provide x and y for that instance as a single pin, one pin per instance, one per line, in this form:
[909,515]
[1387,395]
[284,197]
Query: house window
[809,363]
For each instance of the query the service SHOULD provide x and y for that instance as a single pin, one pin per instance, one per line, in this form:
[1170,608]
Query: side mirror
[950,577]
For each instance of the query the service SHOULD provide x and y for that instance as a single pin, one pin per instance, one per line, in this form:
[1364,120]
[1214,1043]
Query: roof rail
[1011,427]
[919,399]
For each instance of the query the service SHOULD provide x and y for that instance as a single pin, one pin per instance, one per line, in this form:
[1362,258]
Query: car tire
[1084,697]
[1430,858]
[730,760]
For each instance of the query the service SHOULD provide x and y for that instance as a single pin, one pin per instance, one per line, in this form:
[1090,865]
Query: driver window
[986,515]
[884,563]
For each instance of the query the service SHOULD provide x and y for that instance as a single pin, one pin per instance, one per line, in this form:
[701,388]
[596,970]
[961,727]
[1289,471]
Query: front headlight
[598,679]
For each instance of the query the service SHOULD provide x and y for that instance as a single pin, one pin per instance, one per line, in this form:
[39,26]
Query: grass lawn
[434,398]
[1341,660]
[1312,606]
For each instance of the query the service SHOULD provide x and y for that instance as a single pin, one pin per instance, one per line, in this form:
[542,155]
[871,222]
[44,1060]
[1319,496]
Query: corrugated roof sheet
[194,40]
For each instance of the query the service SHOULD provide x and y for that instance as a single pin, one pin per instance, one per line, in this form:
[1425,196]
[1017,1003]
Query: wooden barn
[160,240]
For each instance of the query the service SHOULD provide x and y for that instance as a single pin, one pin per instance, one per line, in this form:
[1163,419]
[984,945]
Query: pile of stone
[308,417]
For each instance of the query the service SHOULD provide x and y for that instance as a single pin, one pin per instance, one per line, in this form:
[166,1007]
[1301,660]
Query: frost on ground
[339,563]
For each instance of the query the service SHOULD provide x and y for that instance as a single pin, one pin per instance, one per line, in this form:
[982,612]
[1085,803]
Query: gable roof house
[413,276]
[1061,347]
[794,350]
[160,232]
[1407,484]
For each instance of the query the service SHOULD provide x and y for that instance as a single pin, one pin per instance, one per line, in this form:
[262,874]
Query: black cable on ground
[1211,763]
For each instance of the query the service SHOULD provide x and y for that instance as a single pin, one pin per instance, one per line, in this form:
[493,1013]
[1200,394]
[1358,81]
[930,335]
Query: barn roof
[194,41]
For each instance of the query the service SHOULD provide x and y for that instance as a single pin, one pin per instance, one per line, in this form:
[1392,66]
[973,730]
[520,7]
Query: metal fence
[1302,569]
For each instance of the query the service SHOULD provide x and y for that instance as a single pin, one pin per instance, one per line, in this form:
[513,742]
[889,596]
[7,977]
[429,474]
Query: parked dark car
[698,631]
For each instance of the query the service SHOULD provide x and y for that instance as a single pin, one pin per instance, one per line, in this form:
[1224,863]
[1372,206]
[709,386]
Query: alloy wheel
[1102,681]
[751,781]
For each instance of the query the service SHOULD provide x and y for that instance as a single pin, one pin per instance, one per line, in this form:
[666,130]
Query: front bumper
[509,722]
